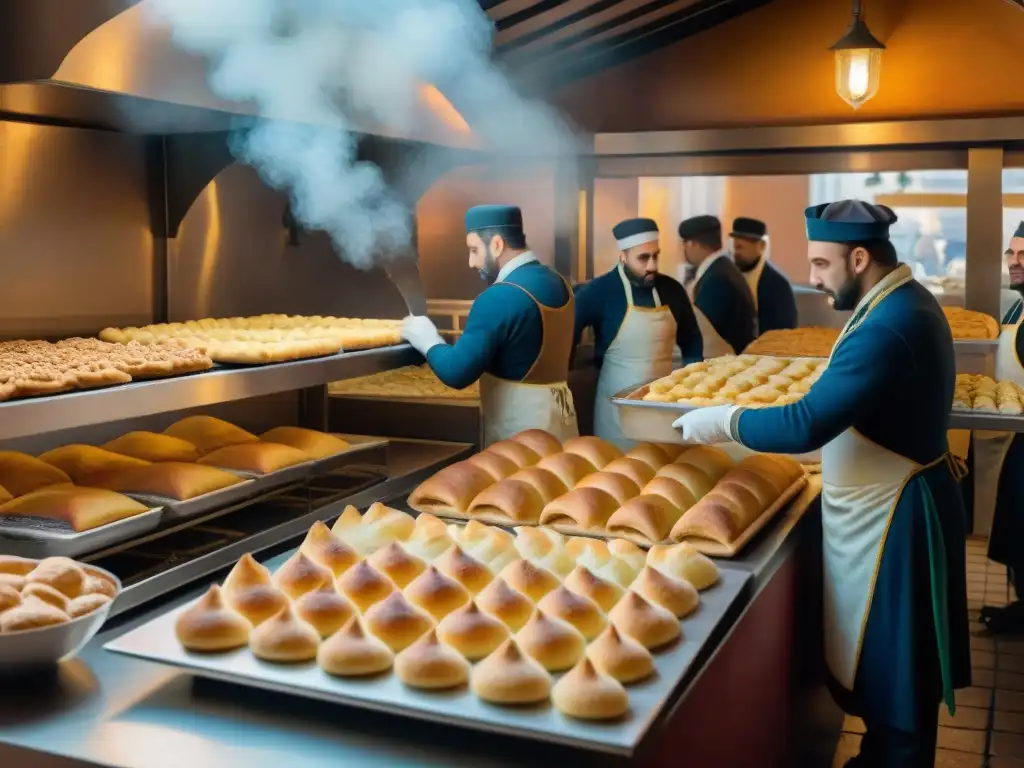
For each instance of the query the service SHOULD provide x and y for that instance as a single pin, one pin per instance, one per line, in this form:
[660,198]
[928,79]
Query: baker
[998,460]
[772,293]
[722,301]
[895,604]
[517,338]
[639,316]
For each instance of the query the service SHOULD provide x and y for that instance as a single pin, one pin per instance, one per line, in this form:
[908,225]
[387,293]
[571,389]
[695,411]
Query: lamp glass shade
[858,71]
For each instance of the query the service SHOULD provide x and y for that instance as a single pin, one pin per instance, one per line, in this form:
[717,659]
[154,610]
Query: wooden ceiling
[548,43]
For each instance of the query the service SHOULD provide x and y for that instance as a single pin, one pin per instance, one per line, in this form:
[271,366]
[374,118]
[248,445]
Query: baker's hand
[707,426]
[420,331]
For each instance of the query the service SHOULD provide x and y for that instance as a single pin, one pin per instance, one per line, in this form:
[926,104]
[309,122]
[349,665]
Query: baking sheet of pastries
[976,392]
[969,324]
[810,341]
[413,381]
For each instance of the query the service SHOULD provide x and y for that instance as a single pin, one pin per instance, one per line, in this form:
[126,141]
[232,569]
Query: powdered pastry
[46,594]
[31,613]
[63,574]
[509,676]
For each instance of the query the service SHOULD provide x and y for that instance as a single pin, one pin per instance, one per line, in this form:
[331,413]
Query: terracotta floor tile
[1007,745]
[969,718]
[1010,722]
[961,740]
[974,697]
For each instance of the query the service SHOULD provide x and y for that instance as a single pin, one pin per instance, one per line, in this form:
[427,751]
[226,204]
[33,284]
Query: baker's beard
[638,281]
[748,266]
[489,271]
[848,295]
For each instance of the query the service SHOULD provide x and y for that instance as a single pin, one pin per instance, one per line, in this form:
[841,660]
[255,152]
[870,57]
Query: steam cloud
[323,70]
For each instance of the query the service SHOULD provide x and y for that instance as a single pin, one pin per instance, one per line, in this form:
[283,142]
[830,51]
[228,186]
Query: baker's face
[838,272]
[693,252]
[483,256]
[1015,262]
[747,253]
[642,261]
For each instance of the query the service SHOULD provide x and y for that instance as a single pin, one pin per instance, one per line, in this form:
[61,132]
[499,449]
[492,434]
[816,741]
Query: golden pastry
[694,479]
[19,566]
[712,461]
[364,585]
[324,609]
[655,456]
[436,593]
[81,508]
[576,546]
[150,446]
[649,624]
[430,664]
[472,632]
[168,479]
[595,450]
[717,517]
[579,611]
[21,474]
[255,458]
[540,442]
[675,493]
[97,585]
[63,574]
[629,553]
[556,644]
[510,606]
[85,464]
[209,626]
[249,589]
[392,523]
[584,582]
[427,525]
[498,467]
[620,656]
[585,509]
[532,581]
[509,676]
[284,638]
[617,485]
[9,597]
[508,501]
[451,490]
[396,622]
[17,583]
[347,520]
[315,445]
[300,575]
[533,543]
[323,547]
[83,605]
[352,652]
[684,562]
[586,694]
[428,542]
[31,613]
[567,467]
[397,564]
[546,483]
[47,595]
[677,596]
[492,546]
[208,434]
[469,572]
[640,472]
[647,518]
[517,453]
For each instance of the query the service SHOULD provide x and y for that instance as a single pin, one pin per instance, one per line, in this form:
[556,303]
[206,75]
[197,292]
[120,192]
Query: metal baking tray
[994,422]
[648,421]
[38,537]
[360,445]
[155,641]
[175,510]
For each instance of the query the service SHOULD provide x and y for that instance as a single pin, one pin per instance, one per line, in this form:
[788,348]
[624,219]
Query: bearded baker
[722,301]
[517,338]
[639,316]
[772,293]
[896,637]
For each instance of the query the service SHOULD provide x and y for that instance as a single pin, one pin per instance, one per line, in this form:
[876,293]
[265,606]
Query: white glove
[707,426]
[420,331]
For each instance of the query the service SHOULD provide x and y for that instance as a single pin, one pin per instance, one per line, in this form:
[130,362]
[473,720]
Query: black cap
[695,226]
[1020,230]
[748,229]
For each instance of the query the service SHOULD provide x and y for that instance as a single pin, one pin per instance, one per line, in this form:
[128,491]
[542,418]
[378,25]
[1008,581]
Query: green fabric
[938,574]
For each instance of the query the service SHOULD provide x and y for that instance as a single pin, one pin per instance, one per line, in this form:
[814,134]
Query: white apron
[861,483]
[542,400]
[714,345]
[641,351]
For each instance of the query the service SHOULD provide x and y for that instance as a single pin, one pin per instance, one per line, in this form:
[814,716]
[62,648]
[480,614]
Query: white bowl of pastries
[49,609]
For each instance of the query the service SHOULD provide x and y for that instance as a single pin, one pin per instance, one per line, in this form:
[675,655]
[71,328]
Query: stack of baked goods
[969,325]
[748,380]
[44,593]
[266,338]
[37,368]
[975,392]
[795,342]
[413,381]
[445,607]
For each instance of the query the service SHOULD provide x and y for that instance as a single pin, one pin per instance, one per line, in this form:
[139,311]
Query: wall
[440,212]
[614,200]
[779,201]
[773,66]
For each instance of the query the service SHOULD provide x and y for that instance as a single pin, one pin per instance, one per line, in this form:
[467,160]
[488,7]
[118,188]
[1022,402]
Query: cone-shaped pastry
[31,613]
[510,606]
[83,605]
[620,656]
[47,594]
[427,525]
[349,518]
[580,611]
[397,564]
[428,540]
[496,550]
[209,626]
[323,547]
[324,609]
[352,652]
[678,596]
[556,644]
[364,585]
[284,638]
[9,597]
[584,581]
[469,572]
[587,694]
[472,632]
[396,622]
[577,546]
[540,442]
[532,543]
[628,551]
[684,562]
[649,624]
[595,450]
[393,523]
[300,575]
[428,663]
[509,676]
[607,566]
[436,593]
[250,590]
[532,581]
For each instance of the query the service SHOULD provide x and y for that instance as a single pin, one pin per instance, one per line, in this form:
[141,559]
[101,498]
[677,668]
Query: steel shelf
[993,422]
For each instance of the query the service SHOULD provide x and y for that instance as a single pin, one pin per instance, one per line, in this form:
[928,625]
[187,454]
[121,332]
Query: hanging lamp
[858,57]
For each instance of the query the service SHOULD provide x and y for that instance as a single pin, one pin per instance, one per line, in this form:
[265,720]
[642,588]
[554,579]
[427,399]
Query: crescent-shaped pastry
[585,509]
[364,585]
[515,452]
[617,485]
[430,664]
[648,518]
[585,582]
[695,480]
[677,596]
[436,593]
[684,562]
[396,622]
[651,454]
[325,610]
[348,519]
[330,551]
[468,571]
[620,656]
[300,575]
[509,676]
[650,625]
[531,580]
[397,564]
[508,501]
[209,626]
[677,494]
[556,644]
[567,467]
[498,467]
[595,450]
[636,470]
[579,611]
[540,442]
[284,638]
[351,652]
[508,605]
[472,632]
[451,490]
[587,694]
[547,484]
[714,462]
[714,518]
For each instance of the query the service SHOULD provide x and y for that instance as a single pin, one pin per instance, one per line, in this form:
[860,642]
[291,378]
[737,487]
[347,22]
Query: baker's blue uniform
[776,304]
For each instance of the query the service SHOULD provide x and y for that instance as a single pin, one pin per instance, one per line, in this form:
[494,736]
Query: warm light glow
[444,109]
[858,74]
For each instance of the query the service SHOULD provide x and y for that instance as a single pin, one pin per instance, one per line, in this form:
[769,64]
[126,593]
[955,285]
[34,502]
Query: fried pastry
[508,501]
[509,676]
[21,474]
[451,490]
[472,632]
[518,453]
[585,509]
[430,664]
[540,442]
[154,447]
[352,652]
[586,694]
[650,625]
[585,582]
[620,656]
[567,467]
[330,551]
[168,480]
[256,458]
[313,444]
[98,585]
[506,604]
[87,464]
[398,623]
[209,434]
[284,638]
[10,597]
[436,593]
[617,485]
[554,643]
[648,518]
[209,626]
[324,609]
[82,508]
[598,452]
[578,610]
